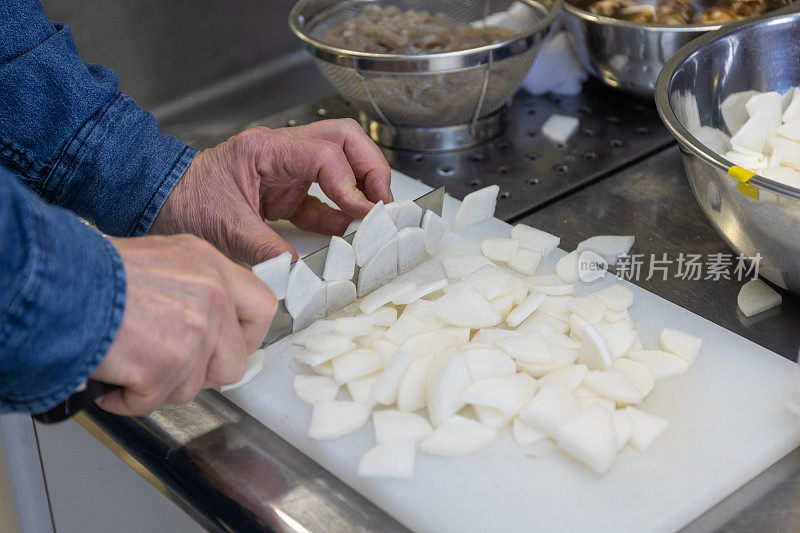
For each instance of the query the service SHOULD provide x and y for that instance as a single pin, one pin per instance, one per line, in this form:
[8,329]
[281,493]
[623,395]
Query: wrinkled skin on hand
[260,173]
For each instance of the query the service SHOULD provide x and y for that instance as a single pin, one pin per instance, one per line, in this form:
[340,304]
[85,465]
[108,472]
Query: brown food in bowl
[680,12]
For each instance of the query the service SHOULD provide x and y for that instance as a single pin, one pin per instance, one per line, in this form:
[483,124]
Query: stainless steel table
[620,174]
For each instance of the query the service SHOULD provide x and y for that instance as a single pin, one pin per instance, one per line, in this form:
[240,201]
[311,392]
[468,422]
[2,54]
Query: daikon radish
[356,364]
[301,288]
[590,437]
[434,227]
[646,428]
[477,206]
[499,250]
[384,390]
[534,239]
[552,406]
[405,214]
[684,345]
[446,387]
[275,273]
[458,436]
[380,269]
[340,263]
[755,297]
[394,425]
[390,460]
[374,232]
[313,389]
[410,248]
[334,419]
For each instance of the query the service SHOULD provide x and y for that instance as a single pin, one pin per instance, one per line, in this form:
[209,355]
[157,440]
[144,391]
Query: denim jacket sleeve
[69,136]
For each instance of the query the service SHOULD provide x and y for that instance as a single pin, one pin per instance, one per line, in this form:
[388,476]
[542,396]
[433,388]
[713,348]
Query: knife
[280,327]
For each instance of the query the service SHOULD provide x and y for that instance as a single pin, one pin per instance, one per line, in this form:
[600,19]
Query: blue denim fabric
[71,138]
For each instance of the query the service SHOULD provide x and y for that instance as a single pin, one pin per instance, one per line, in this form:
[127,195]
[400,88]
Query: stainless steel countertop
[232,474]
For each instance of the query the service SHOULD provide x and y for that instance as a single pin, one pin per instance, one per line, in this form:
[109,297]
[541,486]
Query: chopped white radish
[499,250]
[275,273]
[339,294]
[405,214]
[428,341]
[389,460]
[502,304]
[302,287]
[524,309]
[559,128]
[462,335]
[410,248]
[375,231]
[352,327]
[384,390]
[422,310]
[755,297]
[485,362]
[383,295]
[255,363]
[590,437]
[576,325]
[611,315]
[609,247]
[639,374]
[549,285]
[552,406]
[313,389]
[491,281]
[460,266]
[380,269]
[340,263]
[617,297]
[352,227]
[518,289]
[361,388]
[406,326]
[614,385]
[385,348]
[752,135]
[356,364]
[768,104]
[384,316]
[507,394]
[534,239]
[790,130]
[561,359]
[325,369]
[334,419]
[605,403]
[314,309]
[556,306]
[567,267]
[791,111]
[623,427]
[412,394]
[661,364]
[348,311]
[733,110]
[457,437]
[447,384]
[588,308]
[398,425]
[525,261]
[467,309]
[490,417]
[320,326]
[489,336]
[646,428]
[684,345]
[524,434]
[594,352]
[570,377]
[618,337]
[476,207]
[527,347]
[543,323]
[419,292]
[368,340]
[324,347]
[434,227]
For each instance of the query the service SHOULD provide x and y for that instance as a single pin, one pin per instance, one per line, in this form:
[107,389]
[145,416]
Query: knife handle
[75,403]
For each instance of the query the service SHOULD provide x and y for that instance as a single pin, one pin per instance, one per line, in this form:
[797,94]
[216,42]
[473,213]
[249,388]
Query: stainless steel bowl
[762,54]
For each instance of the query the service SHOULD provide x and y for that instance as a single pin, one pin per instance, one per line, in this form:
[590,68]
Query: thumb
[253,242]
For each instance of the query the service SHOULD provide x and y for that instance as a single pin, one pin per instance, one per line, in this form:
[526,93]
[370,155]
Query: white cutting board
[729,421]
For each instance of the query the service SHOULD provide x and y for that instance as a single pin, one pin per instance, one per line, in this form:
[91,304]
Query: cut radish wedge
[339,294]
[340,264]
[639,374]
[352,327]
[646,428]
[434,227]
[428,341]
[384,390]
[524,309]
[491,281]
[412,394]
[567,267]
[570,377]
[617,297]
[389,460]
[477,206]
[302,287]
[527,347]
[313,389]
[499,250]
[446,388]
[373,233]
[384,316]
[594,352]
[457,437]
[383,295]
[623,427]
[755,297]
[334,419]
[485,362]
[524,434]
[405,214]
[360,389]
[507,394]
[590,437]
[553,405]
[467,309]
[460,266]
[609,247]
[380,269]
[684,345]
[275,273]
[397,425]
[614,385]
[525,261]
[356,364]
[534,239]
[314,309]
[410,248]
[419,292]
[661,364]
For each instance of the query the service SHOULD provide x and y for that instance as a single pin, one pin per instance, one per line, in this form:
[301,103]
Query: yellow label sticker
[742,175]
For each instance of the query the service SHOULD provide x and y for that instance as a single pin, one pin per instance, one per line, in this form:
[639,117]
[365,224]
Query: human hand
[191,319]
[230,189]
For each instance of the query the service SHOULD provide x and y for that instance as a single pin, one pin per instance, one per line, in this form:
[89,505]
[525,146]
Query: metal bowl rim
[610,21]
[686,139]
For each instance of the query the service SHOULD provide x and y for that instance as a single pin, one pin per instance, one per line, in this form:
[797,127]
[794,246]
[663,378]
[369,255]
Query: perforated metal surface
[531,170]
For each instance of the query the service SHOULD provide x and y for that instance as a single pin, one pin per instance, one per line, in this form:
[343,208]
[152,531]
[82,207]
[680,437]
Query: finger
[366,159]
[186,391]
[318,217]
[127,402]
[227,362]
[254,242]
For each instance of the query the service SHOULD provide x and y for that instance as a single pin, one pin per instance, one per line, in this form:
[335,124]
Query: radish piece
[525,261]
[609,315]
[661,364]
[412,392]
[567,267]
[684,345]
[356,364]
[361,388]
[588,308]
[339,345]
[275,273]
[385,349]
[524,310]
[769,104]
[605,403]
[461,334]
[419,292]
[406,327]
[320,326]
[476,207]
[502,304]
[549,285]
[556,306]
[368,340]
[352,327]
[570,377]
[525,434]
[590,437]
[389,460]
[334,419]
[466,309]
[576,325]
[255,363]
[543,323]
[398,425]
[429,341]
[614,385]
[527,347]
[485,362]
[594,352]
[325,369]
[752,135]
[559,128]
[499,250]
[405,214]
[383,295]
[733,109]
[537,370]
[313,389]
[340,263]
[458,267]
[410,248]
[623,427]
[375,231]
[458,436]
[491,281]
[380,269]
[384,390]
[315,308]
[518,289]
[534,239]
[609,247]
[639,374]
[339,294]
[552,406]
[384,316]
[617,297]
[618,337]
[422,310]
[351,228]
[434,227]
[490,417]
[448,381]
[646,428]
[790,130]
[301,288]
[792,105]
[755,297]
[507,394]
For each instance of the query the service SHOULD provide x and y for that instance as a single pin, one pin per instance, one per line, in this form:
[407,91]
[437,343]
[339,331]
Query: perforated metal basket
[428,90]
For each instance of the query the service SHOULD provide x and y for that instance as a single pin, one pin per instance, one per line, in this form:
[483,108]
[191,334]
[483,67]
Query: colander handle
[484,88]
[372,100]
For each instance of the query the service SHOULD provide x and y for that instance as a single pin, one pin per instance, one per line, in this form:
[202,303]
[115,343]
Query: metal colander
[428,90]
